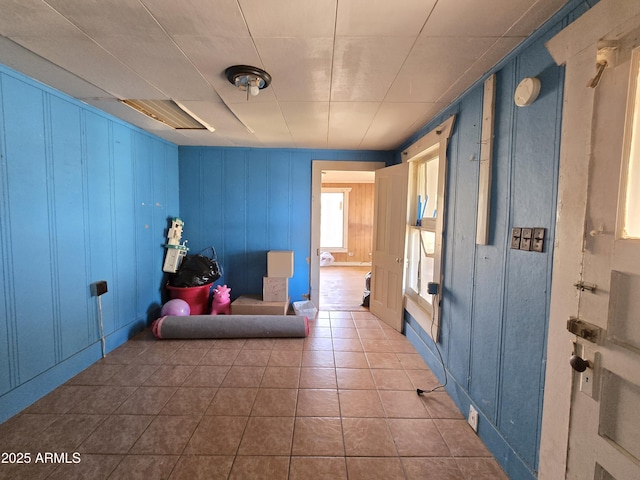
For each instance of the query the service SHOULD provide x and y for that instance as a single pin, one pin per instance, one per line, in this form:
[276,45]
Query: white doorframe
[574,42]
[317,166]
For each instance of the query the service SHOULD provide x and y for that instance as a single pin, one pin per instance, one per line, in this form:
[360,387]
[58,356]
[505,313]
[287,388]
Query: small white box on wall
[280,263]
[275,289]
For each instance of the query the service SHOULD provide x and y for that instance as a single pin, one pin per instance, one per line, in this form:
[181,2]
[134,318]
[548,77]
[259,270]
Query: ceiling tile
[429,69]
[290,18]
[308,122]
[393,121]
[35,66]
[539,13]
[266,120]
[448,19]
[365,67]
[300,68]
[222,18]
[348,123]
[403,18]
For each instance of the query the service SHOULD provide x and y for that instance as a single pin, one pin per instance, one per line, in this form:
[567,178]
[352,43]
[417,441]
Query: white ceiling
[347,74]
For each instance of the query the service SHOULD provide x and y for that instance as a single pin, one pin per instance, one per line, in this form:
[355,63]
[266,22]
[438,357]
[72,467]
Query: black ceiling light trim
[246,77]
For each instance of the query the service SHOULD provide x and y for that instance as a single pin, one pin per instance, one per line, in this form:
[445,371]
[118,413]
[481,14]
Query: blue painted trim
[508,459]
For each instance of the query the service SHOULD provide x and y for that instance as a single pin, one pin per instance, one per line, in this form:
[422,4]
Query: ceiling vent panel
[170,113]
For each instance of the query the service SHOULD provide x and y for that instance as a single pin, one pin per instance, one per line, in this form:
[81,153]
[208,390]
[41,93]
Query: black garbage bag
[197,270]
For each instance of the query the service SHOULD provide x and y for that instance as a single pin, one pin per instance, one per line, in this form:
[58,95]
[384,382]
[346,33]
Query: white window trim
[437,140]
[345,219]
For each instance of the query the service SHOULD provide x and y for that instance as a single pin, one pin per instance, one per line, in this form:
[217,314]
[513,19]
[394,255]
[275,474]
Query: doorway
[338,270]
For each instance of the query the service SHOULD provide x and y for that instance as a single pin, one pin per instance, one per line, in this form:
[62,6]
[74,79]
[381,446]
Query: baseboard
[508,459]
[19,398]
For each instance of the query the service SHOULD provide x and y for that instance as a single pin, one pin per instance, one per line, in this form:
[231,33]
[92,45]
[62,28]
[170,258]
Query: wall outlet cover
[473,418]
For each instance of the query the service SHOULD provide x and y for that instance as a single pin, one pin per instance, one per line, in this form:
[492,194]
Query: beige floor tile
[275,402]
[288,344]
[146,401]
[243,377]
[18,431]
[144,467]
[318,377]
[318,436]
[318,403]
[253,358]
[285,358]
[318,468]
[367,437]
[318,342]
[166,435]
[94,467]
[461,439]
[351,360]
[267,436]
[216,435]
[360,403]
[116,435]
[341,332]
[375,345]
[440,405]
[186,356]
[233,402]
[417,468]
[347,345]
[61,400]
[97,374]
[354,378]
[402,404]
[383,360]
[189,401]
[260,468]
[132,375]
[66,433]
[317,358]
[207,376]
[391,379]
[259,344]
[281,377]
[411,361]
[169,376]
[375,469]
[220,356]
[103,400]
[481,468]
[200,467]
[374,333]
[417,437]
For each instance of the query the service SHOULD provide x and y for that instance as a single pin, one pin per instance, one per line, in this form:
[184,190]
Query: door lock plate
[584,329]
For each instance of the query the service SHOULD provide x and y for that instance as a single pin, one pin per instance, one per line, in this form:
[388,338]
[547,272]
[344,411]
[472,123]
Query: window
[334,219]
[631,220]
[423,175]
[427,159]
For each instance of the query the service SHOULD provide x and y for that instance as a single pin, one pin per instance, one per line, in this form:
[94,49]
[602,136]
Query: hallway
[339,404]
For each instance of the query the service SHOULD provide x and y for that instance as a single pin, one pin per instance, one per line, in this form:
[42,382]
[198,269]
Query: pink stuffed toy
[221,302]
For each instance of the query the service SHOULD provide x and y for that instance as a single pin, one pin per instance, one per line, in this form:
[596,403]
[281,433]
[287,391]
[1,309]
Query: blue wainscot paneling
[245,202]
[83,197]
[496,300]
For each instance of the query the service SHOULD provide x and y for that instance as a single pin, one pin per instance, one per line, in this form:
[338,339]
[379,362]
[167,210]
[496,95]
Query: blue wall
[245,201]
[496,300]
[83,197]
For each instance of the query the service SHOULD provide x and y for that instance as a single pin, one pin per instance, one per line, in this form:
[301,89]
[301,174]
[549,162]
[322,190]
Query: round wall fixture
[247,78]
[527,91]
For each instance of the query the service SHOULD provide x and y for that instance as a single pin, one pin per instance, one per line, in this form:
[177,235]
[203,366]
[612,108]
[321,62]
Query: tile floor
[340,404]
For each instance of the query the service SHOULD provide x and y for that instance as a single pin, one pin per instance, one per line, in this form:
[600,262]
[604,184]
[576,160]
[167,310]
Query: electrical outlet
[98,288]
[473,418]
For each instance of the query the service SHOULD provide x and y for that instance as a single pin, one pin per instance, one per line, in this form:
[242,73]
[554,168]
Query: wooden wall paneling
[360,238]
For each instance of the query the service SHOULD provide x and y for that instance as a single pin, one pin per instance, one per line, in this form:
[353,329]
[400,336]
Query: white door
[604,435]
[389,228]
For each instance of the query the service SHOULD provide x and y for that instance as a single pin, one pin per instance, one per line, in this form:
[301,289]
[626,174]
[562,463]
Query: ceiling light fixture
[248,79]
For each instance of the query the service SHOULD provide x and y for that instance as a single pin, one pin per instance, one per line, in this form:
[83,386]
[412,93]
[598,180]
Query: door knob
[579,364]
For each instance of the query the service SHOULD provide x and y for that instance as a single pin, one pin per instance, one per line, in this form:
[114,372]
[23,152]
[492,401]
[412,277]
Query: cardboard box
[275,289]
[280,263]
[254,305]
